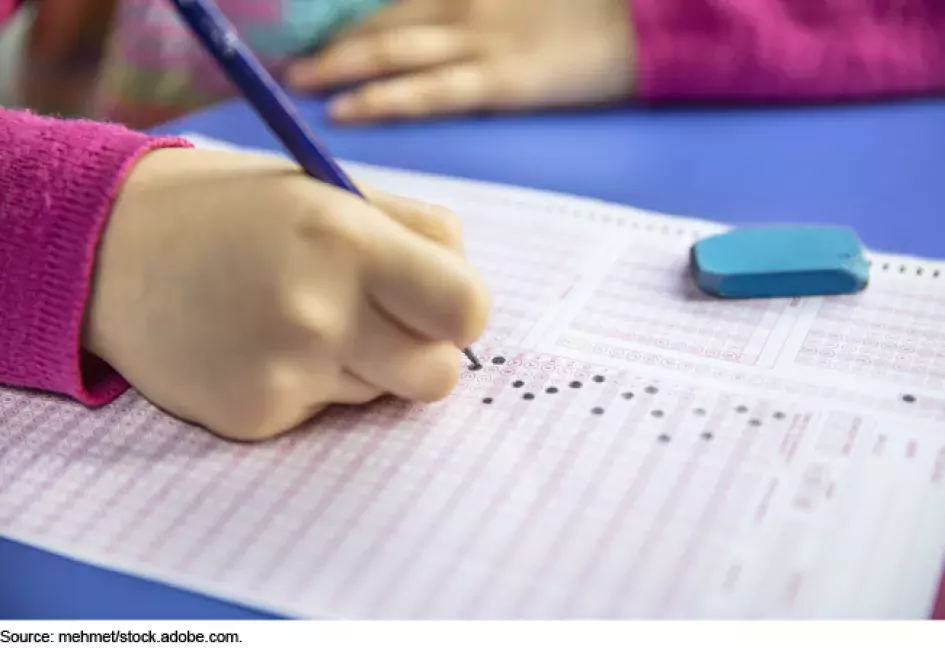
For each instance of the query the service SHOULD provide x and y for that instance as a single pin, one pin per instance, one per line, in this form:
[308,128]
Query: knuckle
[349,234]
[330,331]
[313,317]
[334,227]
[323,324]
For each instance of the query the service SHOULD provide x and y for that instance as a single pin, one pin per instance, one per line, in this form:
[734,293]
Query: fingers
[424,286]
[433,222]
[400,363]
[370,56]
[458,88]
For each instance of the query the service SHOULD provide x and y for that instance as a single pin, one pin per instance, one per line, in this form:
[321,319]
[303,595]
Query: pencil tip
[473,359]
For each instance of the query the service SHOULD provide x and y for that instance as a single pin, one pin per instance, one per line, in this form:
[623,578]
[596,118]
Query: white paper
[777,459]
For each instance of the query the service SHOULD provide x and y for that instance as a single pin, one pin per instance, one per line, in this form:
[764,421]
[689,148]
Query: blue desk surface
[879,169]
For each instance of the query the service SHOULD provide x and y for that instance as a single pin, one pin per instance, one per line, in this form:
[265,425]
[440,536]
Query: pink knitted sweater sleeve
[7,7]
[58,180]
[788,50]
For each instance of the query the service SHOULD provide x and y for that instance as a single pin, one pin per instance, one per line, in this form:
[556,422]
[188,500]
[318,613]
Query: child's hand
[451,56]
[237,293]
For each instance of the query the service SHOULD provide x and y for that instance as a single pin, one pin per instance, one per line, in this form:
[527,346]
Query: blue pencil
[271,103]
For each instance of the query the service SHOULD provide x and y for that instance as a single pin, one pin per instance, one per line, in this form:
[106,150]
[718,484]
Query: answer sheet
[631,449]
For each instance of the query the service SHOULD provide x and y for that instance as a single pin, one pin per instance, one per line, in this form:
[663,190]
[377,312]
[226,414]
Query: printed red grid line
[853,320]
[111,503]
[515,260]
[621,512]
[52,441]
[916,358]
[887,505]
[533,447]
[674,287]
[900,366]
[897,304]
[369,555]
[611,316]
[289,492]
[866,334]
[517,269]
[546,491]
[143,510]
[11,409]
[877,368]
[160,539]
[938,605]
[696,326]
[386,588]
[294,490]
[786,388]
[699,351]
[204,541]
[664,513]
[615,450]
[525,262]
[708,519]
[618,302]
[311,518]
[409,445]
[871,334]
[88,485]
[38,442]
[847,348]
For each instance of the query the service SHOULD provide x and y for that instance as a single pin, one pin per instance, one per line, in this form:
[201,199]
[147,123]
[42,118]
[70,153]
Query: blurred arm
[788,50]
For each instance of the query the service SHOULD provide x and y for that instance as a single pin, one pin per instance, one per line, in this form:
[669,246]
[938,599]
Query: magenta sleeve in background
[788,50]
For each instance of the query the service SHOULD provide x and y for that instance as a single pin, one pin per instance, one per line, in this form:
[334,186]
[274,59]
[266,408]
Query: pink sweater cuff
[58,180]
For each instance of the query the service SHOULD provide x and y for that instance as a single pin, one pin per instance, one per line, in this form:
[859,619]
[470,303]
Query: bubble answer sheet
[631,449]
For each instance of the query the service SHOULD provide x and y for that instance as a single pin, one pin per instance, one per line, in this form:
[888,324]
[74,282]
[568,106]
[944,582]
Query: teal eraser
[768,262]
